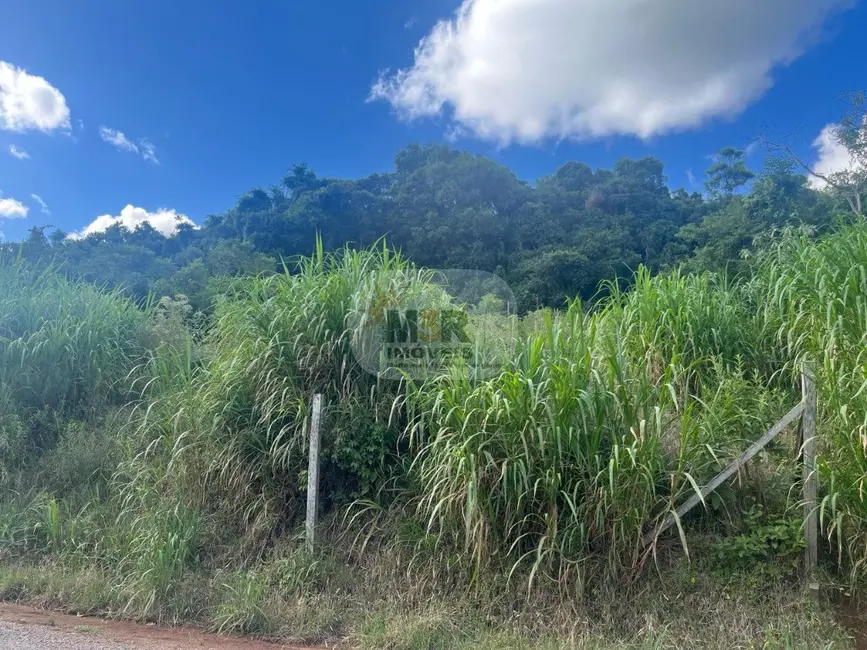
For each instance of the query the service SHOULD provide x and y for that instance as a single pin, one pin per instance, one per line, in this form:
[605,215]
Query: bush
[765,541]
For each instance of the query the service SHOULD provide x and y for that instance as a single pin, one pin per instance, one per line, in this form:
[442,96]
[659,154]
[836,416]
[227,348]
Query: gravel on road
[17,636]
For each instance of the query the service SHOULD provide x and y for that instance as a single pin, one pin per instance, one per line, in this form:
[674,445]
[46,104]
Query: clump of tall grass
[66,349]
[275,343]
[557,466]
[551,458]
[562,462]
[71,357]
[64,345]
[13,436]
[812,297]
[553,469]
[687,319]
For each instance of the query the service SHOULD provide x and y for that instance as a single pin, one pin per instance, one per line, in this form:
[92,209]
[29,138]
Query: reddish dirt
[150,637]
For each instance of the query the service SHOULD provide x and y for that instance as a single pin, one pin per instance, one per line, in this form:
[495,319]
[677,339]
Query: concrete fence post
[313,471]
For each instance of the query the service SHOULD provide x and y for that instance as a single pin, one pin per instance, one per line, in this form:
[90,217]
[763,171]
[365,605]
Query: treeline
[445,208]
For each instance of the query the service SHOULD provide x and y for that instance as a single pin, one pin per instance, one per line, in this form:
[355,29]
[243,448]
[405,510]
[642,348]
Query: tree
[848,184]
[36,248]
[444,208]
[721,241]
[300,179]
[728,173]
[851,132]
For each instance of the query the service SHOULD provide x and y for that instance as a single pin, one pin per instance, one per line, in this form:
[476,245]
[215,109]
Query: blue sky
[213,98]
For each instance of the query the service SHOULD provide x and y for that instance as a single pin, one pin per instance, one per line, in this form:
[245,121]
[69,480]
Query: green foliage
[812,301]
[432,630]
[13,438]
[298,572]
[537,460]
[849,185]
[162,546]
[685,319]
[85,457]
[66,350]
[776,540]
[541,478]
[241,605]
[279,340]
[728,173]
[63,346]
[443,208]
[359,452]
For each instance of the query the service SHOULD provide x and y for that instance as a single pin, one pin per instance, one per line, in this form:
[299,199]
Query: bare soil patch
[151,637]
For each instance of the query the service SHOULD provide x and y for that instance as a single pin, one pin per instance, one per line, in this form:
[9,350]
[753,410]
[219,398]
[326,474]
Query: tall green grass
[688,319]
[64,344]
[278,341]
[812,297]
[562,462]
[66,350]
[554,468]
[550,471]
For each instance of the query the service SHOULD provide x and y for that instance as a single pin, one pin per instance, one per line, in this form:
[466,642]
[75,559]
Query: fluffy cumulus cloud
[29,102]
[525,70]
[145,148]
[831,157]
[12,209]
[18,153]
[164,220]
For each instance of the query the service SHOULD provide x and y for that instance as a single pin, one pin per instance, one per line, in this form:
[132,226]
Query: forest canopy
[552,241]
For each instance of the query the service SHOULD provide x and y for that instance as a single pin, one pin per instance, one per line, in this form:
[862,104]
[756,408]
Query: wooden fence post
[313,471]
[811,532]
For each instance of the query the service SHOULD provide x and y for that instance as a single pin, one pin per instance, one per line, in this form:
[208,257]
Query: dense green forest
[444,208]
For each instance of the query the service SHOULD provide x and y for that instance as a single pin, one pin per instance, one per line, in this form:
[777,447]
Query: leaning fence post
[313,471]
[811,533]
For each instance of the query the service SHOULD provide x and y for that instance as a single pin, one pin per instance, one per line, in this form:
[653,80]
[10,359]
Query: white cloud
[43,207]
[149,151]
[117,138]
[18,153]
[164,220]
[751,148]
[145,148]
[832,157]
[12,209]
[525,70]
[455,132]
[29,102]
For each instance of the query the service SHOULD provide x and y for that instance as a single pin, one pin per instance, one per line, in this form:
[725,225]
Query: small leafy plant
[770,540]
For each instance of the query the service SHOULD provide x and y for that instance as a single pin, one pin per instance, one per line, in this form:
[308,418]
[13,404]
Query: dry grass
[376,605]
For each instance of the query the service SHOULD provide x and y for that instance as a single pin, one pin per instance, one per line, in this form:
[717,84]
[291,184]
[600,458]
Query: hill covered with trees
[443,208]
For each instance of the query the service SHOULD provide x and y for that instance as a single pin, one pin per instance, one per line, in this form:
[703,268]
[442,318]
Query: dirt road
[26,628]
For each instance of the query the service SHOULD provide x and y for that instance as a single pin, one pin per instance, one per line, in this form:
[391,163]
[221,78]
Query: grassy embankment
[155,469]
